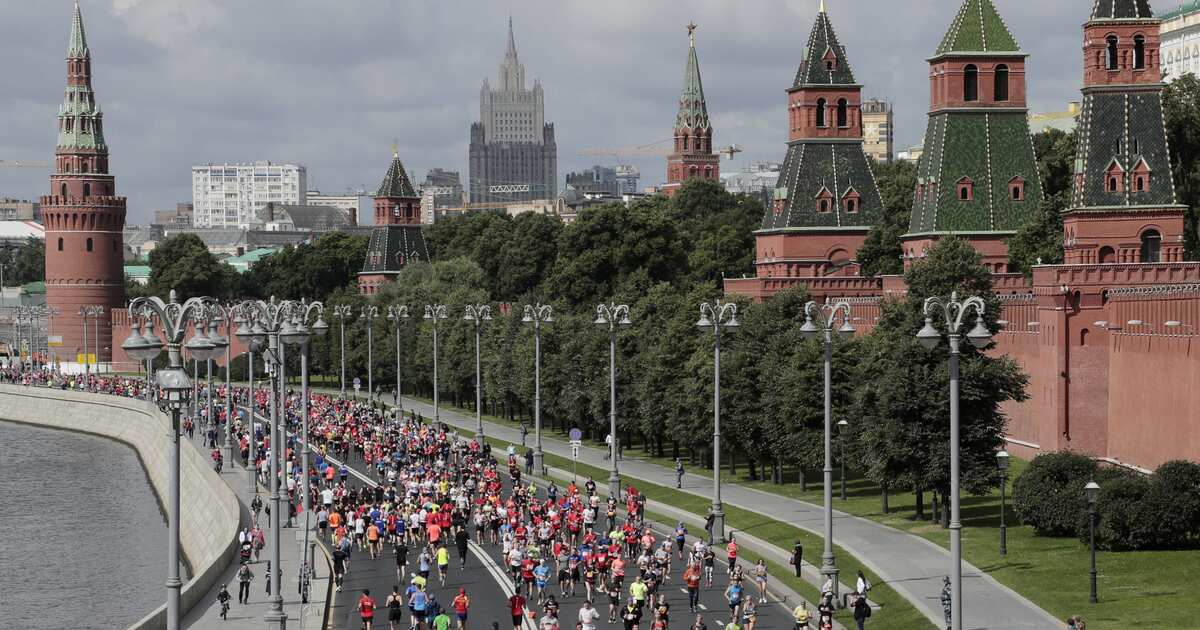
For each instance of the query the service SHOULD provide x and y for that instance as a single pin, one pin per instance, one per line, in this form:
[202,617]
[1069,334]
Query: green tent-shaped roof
[823,46]
[978,28]
[396,183]
[77,47]
[693,110]
[1121,10]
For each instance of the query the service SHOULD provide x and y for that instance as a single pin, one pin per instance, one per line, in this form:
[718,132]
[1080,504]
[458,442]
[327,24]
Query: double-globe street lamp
[478,314]
[342,311]
[819,320]
[434,313]
[717,317]
[175,388]
[612,316]
[538,314]
[951,314]
[94,311]
[396,314]
[1092,492]
[252,334]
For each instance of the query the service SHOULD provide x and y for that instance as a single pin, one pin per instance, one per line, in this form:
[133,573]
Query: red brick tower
[397,238]
[1124,208]
[83,215]
[693,155]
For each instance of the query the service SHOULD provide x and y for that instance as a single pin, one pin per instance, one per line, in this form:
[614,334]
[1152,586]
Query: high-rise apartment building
[1180,37]
[513,153]
[230,195]
[627,178]
[878,130]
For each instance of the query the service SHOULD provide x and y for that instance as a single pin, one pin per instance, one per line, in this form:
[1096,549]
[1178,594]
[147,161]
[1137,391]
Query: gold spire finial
[822,9]
[691,27]
[395,149]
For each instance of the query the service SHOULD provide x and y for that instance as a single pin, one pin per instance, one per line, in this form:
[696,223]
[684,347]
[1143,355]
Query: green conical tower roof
[823,47]
[1122,10]
[693,111]
[396,183]
[77,47]
[978,28]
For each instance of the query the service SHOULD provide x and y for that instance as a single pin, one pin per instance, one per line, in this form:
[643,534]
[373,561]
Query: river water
[84,541]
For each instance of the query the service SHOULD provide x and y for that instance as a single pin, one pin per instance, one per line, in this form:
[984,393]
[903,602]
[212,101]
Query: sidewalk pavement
[911,565]
[206,615]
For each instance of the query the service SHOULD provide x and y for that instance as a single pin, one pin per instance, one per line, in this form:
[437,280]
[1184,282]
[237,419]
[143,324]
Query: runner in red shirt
[516,605]
[366,608]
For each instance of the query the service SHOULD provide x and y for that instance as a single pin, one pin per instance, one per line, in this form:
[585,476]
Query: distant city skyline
[191,81]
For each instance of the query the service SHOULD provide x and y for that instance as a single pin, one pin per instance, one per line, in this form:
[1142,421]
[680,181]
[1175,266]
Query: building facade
[879,129]
[444,188]
[977,101]
[597,179]
[347,203]
[84,217]
[398,237]
[1179,34]
[826,199]
[181,217]
[627,179]
[693,152]
[230,195]
[513,154]
[20,210]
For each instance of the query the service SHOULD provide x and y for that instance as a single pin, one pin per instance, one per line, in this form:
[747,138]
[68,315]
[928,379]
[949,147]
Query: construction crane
[730,151]
[24,164]
[652,149]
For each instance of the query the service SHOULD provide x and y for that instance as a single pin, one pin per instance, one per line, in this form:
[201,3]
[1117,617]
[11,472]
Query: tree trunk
[778,470]
[937,507]
[733,464]
[753,466]
[885,500]
[674,449]
[803,481]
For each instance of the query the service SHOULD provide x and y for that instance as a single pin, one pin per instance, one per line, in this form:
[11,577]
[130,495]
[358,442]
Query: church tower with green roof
[1123,206]
[397,238]
[978,177]
[693,153]
[826,199]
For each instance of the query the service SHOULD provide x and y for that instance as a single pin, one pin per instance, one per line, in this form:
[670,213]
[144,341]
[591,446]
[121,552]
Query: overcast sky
[331,84]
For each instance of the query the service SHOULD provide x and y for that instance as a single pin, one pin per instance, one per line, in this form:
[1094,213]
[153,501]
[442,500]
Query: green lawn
[1144,588]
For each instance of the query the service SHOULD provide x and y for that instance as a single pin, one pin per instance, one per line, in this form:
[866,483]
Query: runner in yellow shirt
[443,562]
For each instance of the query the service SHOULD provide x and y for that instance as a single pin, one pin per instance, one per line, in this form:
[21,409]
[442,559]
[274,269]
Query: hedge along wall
[209,510]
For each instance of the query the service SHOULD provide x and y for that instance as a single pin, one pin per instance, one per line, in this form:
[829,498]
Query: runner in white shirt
[588,616]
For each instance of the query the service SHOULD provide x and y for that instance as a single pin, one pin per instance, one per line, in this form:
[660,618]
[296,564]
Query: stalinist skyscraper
[513,153]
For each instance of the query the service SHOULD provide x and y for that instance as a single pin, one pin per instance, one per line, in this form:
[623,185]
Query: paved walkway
[206,614]
[911,565]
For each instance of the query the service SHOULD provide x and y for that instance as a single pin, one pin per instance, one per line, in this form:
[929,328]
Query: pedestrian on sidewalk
[244,576]
[528,459]
[862,585]
[947,602]
[862,610]
[797,557]
[678,473]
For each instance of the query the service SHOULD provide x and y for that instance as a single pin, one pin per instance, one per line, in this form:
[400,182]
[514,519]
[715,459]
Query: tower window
[1001,81]
[1141,184]
[1139,52]
[87,189]
[63,190]
[823,205]
[1110,58]
[966,189]
[1016,186]
[971,83]
[820,112]
[1113,185]
[1151,246]
[843,114]
[89,244]
[60,244]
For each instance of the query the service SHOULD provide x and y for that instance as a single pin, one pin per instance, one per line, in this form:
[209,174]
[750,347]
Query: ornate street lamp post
[951,313]
[479,314]
[826,315]
[1002,462]
[842,426]
[434,313]
[342,312]
[93,311]
[1092,491]
[538,314]
[718,317]
[369,313]
[251,332]
[612,316]
[396,314]
[175,387]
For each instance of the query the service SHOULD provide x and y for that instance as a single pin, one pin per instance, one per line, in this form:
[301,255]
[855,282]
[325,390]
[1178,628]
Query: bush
[1177,490]
[1122,523]
[1049,497]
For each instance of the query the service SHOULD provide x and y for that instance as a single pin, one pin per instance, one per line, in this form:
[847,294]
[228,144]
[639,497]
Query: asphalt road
[489,588]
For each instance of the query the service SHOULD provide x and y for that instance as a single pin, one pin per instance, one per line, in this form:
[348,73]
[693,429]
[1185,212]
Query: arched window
[1139,52]
[1110,59]
[89,244]
[1151,246]
[63,190]
[851,206]
[843,114]
[1107,255]
[971,83]
[820,112]
[87,189]
[60,244]
[1113,185]
[83,167]
[823,206]
[966,189]
[1001,81]
[1141,184]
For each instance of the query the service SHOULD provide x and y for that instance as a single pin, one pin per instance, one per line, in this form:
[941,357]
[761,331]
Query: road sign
[576,435]
[575,444]
[357,382]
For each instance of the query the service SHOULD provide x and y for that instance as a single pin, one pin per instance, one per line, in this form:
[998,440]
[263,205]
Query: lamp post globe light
[174,387]
[396,314]
[537,314]
[479,314]
[819,320]
[1002,463]
[951,314]
[298,335]
[613,316]
[369,313]
[1092,492]
[342,311]
[434,313]
[717,317]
